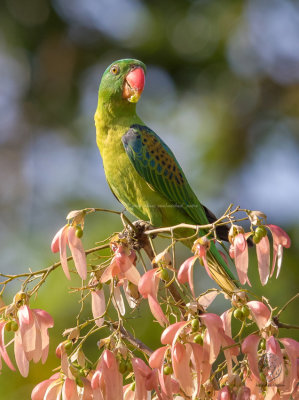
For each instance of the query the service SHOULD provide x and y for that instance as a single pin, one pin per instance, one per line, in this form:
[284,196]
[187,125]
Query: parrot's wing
[156,163]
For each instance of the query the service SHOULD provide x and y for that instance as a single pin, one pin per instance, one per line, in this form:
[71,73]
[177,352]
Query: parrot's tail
[220,271]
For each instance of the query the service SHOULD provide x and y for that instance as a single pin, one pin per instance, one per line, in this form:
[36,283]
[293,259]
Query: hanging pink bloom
[280,240]
[244,393]
[107,380]
[144,378]
[122,266]
[260,313]
[169,334]
[224,394]
[3,352]
[185,273]
[39,391]
[67,236]
[180,357]
[98,305]
[250,347]
[292,349]
[241,257]
[32,339]
[274,370]
[263,258]
[148,288]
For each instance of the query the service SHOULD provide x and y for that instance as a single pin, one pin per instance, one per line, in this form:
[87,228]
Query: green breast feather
[155,163]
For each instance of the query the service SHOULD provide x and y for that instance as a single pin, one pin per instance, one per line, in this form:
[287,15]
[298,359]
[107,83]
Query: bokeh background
[222,90]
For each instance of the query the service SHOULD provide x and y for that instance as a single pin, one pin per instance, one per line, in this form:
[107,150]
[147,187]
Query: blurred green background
[222,90]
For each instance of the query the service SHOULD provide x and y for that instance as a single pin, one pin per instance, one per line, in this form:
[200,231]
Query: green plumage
[142,171]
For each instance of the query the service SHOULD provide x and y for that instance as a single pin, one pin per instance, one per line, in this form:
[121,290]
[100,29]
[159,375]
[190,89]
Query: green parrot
[140,168]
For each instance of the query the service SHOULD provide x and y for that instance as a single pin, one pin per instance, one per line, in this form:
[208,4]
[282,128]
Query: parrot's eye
[114,69]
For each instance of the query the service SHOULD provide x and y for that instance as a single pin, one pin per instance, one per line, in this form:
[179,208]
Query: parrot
[141,170]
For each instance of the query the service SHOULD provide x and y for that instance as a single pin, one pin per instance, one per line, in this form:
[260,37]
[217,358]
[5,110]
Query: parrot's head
[123,82]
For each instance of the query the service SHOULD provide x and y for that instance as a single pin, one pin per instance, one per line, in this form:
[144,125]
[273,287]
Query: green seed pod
[238,314]
[263,344]
[167,370]
[245,310]
[8,326]
[195,325]
[68,345]
[261,231]
[198,339]
[256,239]
[79,232]
[133,386]
[14,326]
[164,275]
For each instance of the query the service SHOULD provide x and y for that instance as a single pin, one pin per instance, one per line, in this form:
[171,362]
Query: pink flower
[45,389]
[107,383]
[32,339]
[146,379]
[280,240]
[263,258]
[273,362]
[122,265]
[98,305]
[260,313]
[224,394]
[292,349]
[67,236]
[185,273]
[3,352]
[241,257]
[148,288]
[250,347]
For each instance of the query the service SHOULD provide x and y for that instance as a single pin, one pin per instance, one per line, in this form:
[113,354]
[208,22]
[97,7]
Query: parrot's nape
[141,170]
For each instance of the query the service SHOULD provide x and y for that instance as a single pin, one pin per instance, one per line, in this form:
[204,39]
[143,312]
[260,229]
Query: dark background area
[221,89]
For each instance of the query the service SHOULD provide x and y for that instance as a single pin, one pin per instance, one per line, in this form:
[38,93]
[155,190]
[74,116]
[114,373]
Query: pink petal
[45,321]
[55,242]
[185,273]
[69,390]
[292,349]
[110,272]
[132,275]
[112,377]
[250,347]
[207,299]
[214,327]
[260,313]
[180,362]
[169,333]
[157,357]
[118,300]
[3,352]
[147,283]
[63,240]
[280,238]
[243,393]
[39,391]
[226,319]
[231,352]
[224,394]
[78,252]
[54,391]
[87,390]
[21,360]
[263,258]
[131,301]
[197,358]
[28,331]
[139,372]
[274,357]
[98,305]
[157,310]
[241,258]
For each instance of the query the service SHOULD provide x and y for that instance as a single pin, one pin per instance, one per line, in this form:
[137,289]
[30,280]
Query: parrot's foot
[136,236]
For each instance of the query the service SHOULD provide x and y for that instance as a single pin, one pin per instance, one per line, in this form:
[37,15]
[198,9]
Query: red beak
[134,85]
